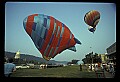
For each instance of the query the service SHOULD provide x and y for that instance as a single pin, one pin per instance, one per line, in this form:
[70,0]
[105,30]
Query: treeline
[92,58]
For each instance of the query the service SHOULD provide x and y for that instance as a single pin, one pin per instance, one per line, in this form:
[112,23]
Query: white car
[22,66]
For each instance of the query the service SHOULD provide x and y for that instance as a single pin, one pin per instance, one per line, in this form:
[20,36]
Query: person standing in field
[9,68]
[80,67]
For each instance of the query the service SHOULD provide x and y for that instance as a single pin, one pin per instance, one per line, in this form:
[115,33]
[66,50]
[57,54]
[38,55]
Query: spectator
[80,67]
[96,68]
[9,68]
[111,68]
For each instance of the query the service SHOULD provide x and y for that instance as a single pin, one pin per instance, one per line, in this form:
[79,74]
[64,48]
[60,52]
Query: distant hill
[31,57]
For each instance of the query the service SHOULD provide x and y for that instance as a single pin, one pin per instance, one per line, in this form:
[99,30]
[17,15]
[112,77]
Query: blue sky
[72,15]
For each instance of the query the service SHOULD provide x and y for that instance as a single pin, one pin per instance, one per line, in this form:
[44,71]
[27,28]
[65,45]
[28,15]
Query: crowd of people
[111,68]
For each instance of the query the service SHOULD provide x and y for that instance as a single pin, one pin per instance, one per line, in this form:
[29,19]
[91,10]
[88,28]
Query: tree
[92,58]
[75,61]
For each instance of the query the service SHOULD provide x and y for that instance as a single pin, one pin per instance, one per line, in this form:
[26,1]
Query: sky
[72,15]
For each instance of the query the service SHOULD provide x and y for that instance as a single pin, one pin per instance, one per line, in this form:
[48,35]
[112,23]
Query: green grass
[62,72]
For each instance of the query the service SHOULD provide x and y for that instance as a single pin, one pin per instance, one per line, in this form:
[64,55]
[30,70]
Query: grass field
[59,72]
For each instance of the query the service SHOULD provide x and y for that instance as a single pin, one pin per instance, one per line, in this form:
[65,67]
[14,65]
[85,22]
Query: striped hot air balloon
[49,35]
[92,18]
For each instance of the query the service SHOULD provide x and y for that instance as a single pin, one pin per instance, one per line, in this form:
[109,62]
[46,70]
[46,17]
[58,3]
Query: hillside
[34,58]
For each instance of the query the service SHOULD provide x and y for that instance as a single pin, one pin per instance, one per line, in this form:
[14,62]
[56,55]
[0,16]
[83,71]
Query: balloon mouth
[91,29]
[47,58]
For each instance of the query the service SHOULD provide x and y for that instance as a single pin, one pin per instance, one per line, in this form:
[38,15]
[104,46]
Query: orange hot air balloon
[92,18]
[49,35]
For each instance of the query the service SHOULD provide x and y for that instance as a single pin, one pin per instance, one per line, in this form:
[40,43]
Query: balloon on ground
[49,35]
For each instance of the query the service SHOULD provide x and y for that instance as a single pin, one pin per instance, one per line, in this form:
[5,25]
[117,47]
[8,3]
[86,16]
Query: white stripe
[48,23]
[58,31]
[62,32]
[43,32]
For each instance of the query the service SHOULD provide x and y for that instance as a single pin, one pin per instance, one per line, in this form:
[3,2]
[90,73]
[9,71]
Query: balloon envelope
[92,18]
[49,35]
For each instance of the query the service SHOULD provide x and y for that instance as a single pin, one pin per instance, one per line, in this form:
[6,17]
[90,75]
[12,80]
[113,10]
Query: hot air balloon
[92,18]
[49,35]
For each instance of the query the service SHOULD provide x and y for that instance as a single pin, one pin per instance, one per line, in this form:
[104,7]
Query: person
[96,68]
[111,68]
[80,67]
[9,68]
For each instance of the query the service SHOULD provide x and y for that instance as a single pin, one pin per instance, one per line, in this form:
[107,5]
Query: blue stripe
[48,17]
[33,35]
[46,50]
[48,23]
[38,29]
[51,39]
[52,34]
[46,31]
[40,43]
[35,38]
[43,32]
[59,41]
[41,29]
[34,26]
[36,41]
[62,25]
[45,22]
[60,36]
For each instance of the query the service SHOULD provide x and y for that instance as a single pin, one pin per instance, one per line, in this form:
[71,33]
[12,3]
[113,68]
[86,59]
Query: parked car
[22,66]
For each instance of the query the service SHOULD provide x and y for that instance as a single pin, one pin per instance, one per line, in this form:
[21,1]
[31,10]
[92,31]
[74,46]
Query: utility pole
[91,52]
[92,60]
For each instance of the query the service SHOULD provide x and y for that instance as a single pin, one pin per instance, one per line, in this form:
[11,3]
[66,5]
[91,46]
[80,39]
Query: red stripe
[72,41]
[60,49]
[48,36]
[29,23]
[65,37]
[53,42]
[64,40]
[57,38]
[91,18]
[66,33]
[88,19]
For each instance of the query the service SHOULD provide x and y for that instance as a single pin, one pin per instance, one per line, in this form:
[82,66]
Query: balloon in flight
[92,18]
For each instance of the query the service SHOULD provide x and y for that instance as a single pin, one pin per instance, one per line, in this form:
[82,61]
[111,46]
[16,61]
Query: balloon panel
[92,18]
